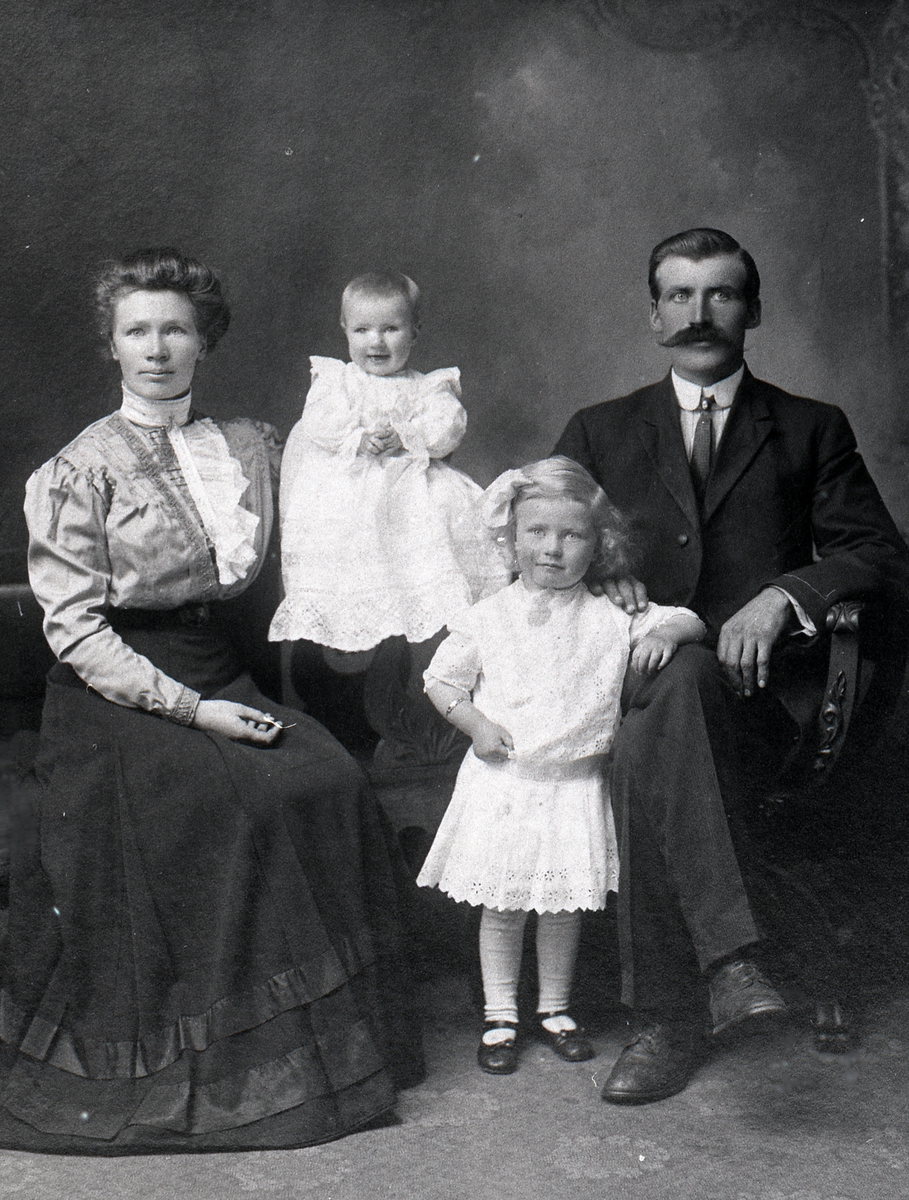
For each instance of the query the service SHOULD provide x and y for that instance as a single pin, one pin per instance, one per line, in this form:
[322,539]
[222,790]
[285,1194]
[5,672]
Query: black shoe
[740,992]
[570,1044]
[502,1057]
[657,1064]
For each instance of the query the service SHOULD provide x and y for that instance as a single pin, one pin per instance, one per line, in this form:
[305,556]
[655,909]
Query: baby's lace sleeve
[330,417]
[456,662]
[437,422]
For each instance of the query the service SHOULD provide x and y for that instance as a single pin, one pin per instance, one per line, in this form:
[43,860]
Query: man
[752,507]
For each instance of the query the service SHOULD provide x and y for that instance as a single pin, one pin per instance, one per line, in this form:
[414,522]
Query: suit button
[683,539]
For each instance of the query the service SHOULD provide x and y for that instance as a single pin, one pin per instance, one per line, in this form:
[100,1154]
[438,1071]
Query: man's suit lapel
[661,433]
[747,428]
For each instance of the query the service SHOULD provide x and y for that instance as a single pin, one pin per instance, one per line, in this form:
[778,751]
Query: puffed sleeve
[652,617]
[435,424]
[457,662]
[274,447]
[69,571]
[331,417]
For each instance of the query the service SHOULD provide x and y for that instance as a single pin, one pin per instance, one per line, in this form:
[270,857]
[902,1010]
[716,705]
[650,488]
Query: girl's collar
[552,593]
[151,414]
[541,602]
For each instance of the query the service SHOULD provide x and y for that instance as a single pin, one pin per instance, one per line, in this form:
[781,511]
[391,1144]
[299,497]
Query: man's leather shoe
[739,992]
[657,1064]
[501,1058]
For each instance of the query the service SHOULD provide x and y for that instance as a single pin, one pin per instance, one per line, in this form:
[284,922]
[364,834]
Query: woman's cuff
[185,712]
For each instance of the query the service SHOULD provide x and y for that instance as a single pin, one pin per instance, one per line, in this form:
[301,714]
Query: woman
[203,947]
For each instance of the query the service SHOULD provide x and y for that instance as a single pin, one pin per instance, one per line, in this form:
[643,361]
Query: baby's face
[379,331]
[554,541]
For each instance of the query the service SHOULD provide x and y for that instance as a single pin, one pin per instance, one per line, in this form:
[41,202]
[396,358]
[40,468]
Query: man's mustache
[696,333]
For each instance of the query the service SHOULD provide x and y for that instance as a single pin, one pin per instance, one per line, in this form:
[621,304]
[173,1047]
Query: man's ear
[753,319]
[656,321]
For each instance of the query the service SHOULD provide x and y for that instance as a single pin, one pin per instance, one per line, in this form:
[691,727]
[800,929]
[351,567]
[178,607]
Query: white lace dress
[536,831]
[374,546]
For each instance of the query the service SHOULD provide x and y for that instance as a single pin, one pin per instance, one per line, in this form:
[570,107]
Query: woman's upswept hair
[385,284]
[559,478]
[163,269]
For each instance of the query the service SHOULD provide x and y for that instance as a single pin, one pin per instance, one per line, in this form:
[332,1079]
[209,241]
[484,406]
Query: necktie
[702,449]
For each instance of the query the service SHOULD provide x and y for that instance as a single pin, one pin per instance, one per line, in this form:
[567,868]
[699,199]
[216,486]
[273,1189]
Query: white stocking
[558,935]
[501,942]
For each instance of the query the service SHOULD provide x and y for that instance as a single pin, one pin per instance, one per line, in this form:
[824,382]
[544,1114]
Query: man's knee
[694,669]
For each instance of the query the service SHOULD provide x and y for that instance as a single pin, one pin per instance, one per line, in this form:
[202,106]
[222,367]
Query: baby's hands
[380,441]
[491,742]
[653,652]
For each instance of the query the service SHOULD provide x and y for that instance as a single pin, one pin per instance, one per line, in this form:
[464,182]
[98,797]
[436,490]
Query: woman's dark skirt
[205,949]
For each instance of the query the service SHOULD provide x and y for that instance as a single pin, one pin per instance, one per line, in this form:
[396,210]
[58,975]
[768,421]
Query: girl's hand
[238,722]
[491,742]
[653,652]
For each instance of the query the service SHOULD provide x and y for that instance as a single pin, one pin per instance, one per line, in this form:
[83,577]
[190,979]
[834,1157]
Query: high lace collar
[155,414]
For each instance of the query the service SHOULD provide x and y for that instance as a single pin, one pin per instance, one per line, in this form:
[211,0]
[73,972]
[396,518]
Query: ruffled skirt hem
[512,842]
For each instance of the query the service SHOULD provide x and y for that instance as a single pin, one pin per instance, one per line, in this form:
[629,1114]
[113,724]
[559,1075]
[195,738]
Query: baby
[378,532]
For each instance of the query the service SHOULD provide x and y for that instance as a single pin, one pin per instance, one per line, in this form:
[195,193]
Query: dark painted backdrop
[517,157]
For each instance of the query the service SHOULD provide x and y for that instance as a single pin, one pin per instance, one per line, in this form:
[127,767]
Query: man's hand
[627,593]
[747,639]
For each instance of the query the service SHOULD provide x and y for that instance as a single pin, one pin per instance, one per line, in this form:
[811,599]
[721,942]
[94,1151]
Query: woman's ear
[113,350]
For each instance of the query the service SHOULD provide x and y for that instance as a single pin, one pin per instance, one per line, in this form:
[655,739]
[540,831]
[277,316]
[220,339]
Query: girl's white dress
[374,546]
[536,831]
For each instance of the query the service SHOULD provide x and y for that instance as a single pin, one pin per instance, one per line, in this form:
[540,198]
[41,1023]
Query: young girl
[378,533]
[533,676]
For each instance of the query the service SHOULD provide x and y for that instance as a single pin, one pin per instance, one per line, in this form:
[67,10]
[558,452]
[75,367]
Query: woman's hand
[490,741]
[238,722]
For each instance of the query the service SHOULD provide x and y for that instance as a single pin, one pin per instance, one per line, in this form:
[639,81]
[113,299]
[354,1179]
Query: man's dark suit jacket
[789,501]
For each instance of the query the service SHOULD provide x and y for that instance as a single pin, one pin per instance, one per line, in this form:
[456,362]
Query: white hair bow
[495,503]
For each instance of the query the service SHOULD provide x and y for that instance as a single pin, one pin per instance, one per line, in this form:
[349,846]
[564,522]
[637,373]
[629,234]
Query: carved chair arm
[843,681]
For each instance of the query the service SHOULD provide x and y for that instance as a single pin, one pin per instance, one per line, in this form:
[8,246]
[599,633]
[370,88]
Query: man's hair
[386,284]
[163,269]
[704,243]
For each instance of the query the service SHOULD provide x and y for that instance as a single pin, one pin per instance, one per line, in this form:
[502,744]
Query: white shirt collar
[689,394]
[153,414]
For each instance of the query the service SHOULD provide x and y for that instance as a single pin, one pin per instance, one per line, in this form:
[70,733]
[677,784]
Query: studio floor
[764,1120]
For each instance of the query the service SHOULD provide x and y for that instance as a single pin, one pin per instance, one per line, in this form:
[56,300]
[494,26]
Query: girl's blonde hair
[559,478]
[385,284]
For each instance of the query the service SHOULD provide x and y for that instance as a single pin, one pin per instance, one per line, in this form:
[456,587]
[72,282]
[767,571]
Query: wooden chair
[784,849]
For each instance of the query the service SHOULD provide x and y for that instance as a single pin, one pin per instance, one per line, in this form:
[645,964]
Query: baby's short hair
[384,284]
[559,478]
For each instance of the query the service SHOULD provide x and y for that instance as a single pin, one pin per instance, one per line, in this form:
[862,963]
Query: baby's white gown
[373,547]
[536,831]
